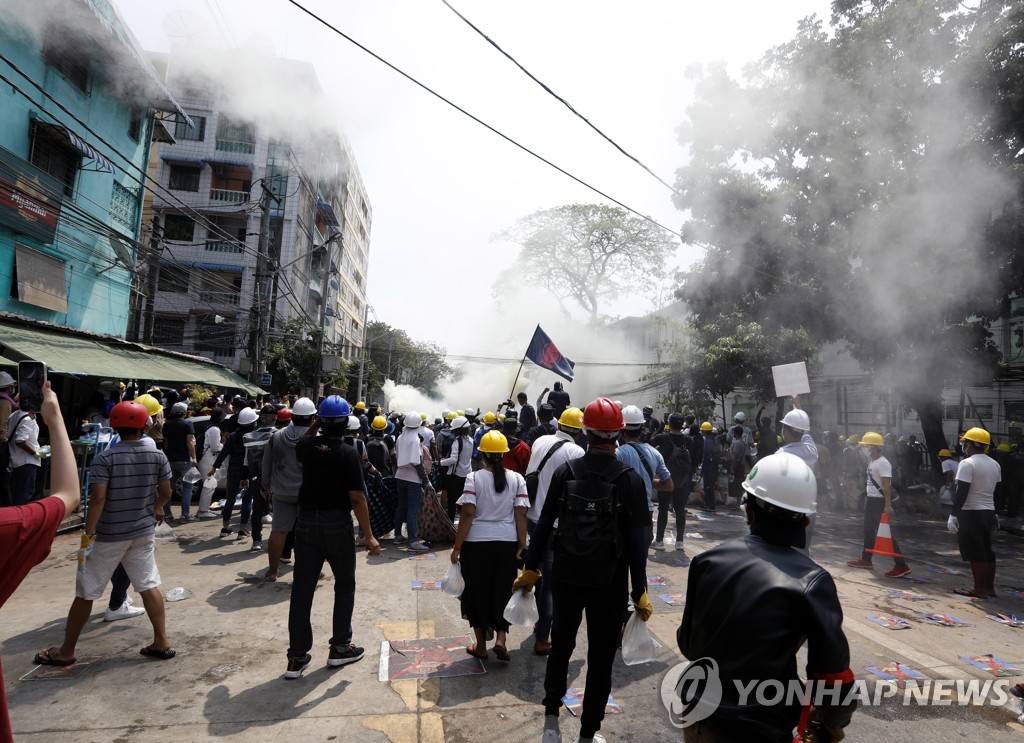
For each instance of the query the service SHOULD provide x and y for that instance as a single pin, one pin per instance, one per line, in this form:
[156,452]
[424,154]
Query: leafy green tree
[392,354]
[846,191]
[292,359]
[587,254]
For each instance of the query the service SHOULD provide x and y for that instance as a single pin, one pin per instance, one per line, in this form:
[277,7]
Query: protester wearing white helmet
[457,463]
[756,576]
[748,434]
[411,479]
[796,437]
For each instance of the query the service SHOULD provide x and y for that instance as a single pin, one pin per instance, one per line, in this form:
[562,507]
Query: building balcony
[221,297]
[222,246]
[232,145]
[228,196]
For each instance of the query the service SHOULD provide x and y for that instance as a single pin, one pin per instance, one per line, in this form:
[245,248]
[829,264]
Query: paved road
[226,682]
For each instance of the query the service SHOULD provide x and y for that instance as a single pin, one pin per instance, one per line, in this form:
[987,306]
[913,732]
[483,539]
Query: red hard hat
[129,414]
[603,417]
[284,414]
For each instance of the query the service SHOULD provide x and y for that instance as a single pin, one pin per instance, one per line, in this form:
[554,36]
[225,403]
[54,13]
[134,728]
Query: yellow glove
[526,580]
[643,607]
[85,548]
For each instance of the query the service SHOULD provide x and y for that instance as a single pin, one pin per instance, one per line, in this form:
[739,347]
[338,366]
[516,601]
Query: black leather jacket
[750,605]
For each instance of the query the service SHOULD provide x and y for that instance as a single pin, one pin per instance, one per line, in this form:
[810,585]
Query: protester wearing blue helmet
[331,490]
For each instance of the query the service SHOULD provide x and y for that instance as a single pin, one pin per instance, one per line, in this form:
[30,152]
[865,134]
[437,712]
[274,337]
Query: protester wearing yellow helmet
[973,518]
[878,501]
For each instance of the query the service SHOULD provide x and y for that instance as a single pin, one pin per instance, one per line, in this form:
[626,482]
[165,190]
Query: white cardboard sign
[791,379]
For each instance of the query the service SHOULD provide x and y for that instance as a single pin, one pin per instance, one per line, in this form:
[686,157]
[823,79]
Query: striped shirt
[131,471]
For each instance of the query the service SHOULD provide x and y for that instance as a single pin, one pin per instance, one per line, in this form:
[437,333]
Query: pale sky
[439,184]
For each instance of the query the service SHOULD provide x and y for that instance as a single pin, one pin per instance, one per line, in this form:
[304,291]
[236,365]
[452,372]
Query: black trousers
[453,486]
[603,607]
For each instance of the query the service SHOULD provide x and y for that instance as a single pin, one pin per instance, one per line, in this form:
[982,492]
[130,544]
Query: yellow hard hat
[945,453]
[978,436]
[489,418]
[872,439]
[1003,447]
[571,418]
[501,417]
[451,416]
[150,403]
[379,423]
[779,438]
[360,405]
[459,412]
[423,416]
[493,442]
[853,439]
[705,426]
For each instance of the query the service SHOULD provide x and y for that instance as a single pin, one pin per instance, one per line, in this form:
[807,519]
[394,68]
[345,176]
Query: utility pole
[260,324]
[156,247]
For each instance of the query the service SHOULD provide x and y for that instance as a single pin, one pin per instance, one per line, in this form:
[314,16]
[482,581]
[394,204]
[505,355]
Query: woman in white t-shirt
[491,537]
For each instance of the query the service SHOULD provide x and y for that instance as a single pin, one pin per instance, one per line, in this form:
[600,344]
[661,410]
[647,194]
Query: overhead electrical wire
[524,148]
[560,99]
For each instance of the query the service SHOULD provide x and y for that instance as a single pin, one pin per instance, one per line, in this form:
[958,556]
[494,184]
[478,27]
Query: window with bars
[124,205]
[234,135]
[135,123]
[65,58]
[169,331]
[56,157]
[184,178]
[196,133]
[179,227]
[173,279]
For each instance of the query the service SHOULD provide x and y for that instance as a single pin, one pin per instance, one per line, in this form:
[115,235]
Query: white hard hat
[303,407]
[632,416]
[459,422]
[784,480]
[797,419]
[247,416]
[412,419]
[741,416]
[6,380]
[353,423]
[621,404]
[470,412]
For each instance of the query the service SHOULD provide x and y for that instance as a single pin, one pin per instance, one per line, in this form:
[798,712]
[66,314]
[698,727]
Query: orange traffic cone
[883,541]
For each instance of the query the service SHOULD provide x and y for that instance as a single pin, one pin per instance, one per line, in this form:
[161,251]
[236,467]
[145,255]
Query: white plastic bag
[521,609]
[637,643]
[164,531]
[946,495]
[192,476]
[454,584]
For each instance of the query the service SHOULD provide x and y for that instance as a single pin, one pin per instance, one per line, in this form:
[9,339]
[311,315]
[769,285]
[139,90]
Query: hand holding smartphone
[31,378]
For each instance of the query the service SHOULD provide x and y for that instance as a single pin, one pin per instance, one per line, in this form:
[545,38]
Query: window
[219,337]
[135,123]
[971,413]
[39,279]
[55,157]
[276,178]
[1014,411]
[235,136]
[124,205]
[169,331]
[184,178]
[71,63]
[195,133]
[179,227]
[173,279]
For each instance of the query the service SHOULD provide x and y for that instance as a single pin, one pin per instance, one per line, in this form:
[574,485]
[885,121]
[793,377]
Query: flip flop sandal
[45,658]
[158,654]
[501,653]
[968,592]
[270,578]
[471,649]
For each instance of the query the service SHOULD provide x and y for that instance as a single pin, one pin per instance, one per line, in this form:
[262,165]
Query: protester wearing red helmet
[284,417]
[601,506]
[134,478]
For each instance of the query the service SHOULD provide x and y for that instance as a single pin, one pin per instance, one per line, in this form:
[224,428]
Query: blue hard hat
[335,406]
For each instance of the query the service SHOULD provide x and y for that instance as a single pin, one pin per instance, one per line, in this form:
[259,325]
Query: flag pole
[521,363]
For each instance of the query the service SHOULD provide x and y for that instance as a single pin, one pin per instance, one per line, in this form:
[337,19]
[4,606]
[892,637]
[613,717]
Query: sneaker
[286,559]
[297,665]
[256,546]
[417,547]
[866,564]
[225,531]
[898,572]
[242,533]
[343,657]
[124,611]
[680,546]
[401,540]
[204,515]
[187,517]
[658,545]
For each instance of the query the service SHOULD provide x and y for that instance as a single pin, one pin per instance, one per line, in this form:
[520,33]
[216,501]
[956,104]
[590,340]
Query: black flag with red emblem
[543,353]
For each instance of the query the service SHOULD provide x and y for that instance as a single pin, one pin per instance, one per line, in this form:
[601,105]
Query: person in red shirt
[518,456]
[27,532]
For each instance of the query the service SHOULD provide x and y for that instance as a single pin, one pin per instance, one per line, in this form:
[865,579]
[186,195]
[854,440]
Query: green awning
[81,355]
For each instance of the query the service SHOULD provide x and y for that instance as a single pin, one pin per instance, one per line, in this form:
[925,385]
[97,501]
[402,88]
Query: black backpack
[379,455]
[533,478]
[678,461]
[589,542]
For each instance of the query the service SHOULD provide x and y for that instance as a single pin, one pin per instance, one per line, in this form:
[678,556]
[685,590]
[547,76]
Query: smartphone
[31,378]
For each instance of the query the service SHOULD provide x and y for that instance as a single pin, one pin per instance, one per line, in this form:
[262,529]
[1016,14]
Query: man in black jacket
[750,605]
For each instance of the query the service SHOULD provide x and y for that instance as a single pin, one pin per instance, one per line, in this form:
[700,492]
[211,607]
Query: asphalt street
[231,636]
